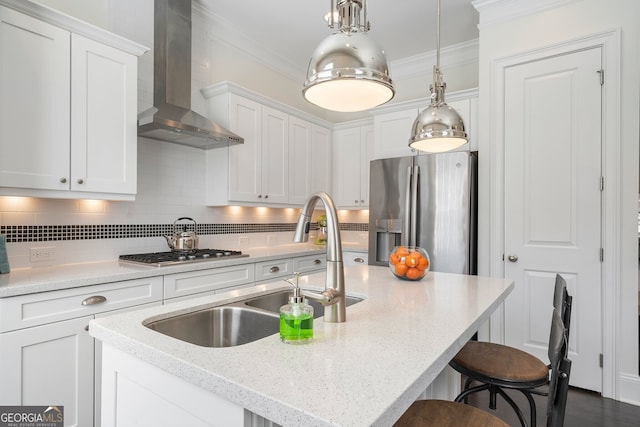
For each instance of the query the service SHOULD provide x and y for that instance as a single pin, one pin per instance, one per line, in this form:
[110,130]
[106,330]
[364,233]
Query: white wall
[571,20]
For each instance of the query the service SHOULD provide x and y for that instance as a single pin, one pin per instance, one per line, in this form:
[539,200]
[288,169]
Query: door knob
[513,258]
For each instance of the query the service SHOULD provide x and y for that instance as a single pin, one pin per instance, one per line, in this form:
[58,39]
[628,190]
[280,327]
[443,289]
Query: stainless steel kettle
[183,241]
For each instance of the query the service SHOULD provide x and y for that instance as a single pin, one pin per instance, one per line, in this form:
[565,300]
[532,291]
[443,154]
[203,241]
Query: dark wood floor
[584,409]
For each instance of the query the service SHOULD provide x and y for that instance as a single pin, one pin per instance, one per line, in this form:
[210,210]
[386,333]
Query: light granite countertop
[364,372]
[21,281]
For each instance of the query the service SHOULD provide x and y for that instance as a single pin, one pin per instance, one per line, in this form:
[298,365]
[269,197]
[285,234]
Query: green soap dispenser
[296,317]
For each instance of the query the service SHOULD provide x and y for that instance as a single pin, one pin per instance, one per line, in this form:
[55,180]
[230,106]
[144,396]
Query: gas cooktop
[161,259]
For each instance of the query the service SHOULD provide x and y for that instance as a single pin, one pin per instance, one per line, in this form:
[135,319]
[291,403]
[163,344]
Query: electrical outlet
[42,254]
[243,240]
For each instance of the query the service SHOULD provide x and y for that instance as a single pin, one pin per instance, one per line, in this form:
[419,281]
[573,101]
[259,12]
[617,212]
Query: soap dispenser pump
[296,317]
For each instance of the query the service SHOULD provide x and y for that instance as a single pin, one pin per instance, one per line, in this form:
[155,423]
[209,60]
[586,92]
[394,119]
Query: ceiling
[288,31]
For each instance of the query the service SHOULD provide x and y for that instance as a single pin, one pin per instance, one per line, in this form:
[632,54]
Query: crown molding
[493,12]
[450,56]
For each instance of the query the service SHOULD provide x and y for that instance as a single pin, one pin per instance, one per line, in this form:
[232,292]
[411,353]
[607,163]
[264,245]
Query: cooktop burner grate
[170,258]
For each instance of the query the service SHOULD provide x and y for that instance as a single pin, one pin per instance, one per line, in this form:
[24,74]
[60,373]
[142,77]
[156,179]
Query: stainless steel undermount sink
[233,324]
[273,302]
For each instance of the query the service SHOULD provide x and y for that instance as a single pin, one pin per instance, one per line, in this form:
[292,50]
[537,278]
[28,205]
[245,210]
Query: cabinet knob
[361,201]
[96,299]
[513,258]
[259,196]
[355,201]
[63,180]
[359,260]
[317,261]
[266,197]
[274,269]
[80,181]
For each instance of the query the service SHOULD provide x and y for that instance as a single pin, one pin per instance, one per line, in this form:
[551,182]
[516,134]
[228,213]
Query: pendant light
[348,71]
[439,127]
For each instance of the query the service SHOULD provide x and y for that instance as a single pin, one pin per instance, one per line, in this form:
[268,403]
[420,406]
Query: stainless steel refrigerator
[429,201]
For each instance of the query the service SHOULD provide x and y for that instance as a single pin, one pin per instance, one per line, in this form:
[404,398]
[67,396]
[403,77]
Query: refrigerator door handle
[406,223]
[413,237]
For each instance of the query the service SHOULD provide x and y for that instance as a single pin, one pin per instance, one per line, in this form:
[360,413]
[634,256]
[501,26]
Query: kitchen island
[366,371]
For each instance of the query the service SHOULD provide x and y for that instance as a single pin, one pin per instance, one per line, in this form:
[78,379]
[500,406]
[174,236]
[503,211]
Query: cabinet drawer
[355,258]
[37,309]
[310,263]
[273,269]
[193,282]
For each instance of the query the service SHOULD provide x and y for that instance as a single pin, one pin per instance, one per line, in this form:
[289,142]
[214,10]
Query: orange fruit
[401,269]
[414,273]
[402,251]
[413,259]
[423,264]
[393,259]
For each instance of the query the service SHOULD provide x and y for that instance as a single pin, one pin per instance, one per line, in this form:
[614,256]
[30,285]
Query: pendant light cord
[438,37]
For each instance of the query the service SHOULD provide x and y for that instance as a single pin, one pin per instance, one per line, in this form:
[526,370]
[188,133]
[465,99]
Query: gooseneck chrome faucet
[333,297]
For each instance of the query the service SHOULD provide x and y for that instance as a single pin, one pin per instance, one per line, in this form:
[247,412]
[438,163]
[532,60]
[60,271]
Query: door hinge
[602,183]
[601,360]
[601,73]
[601,254]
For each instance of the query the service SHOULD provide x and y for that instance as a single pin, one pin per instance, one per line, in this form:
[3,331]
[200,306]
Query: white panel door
[34,103]
[103,118]
[300,160]
[366,153]
[392,133]
[275,166]
[347,171]
[245,160]
[50,365]
[320,159]
[553,204]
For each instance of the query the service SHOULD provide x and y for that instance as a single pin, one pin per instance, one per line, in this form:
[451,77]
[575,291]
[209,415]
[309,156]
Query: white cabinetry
[309,155]
[392,132]
[393,124]
[47,354]
[284,157]
[209,281]
[355,258]
[68,107]
[352,151]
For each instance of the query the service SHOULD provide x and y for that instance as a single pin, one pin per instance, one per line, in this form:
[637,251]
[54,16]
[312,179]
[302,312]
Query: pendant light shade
[439,127]
[348,71]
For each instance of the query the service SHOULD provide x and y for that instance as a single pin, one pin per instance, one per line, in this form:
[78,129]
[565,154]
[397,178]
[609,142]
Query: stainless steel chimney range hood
[171,118]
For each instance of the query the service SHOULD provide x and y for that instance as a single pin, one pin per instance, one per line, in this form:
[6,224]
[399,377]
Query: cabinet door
[245,160]
[50,365]
[34,103]
[300,160]
[275,166]
[392,133]
[103,118]
[320,158]
[366,153]
[347,168]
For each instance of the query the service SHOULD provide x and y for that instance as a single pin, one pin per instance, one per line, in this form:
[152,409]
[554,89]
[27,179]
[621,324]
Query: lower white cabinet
[46,362]
[355,258]
[202,282]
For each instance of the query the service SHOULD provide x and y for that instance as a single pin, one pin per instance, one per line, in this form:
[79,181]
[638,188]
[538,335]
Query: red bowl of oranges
[409,262]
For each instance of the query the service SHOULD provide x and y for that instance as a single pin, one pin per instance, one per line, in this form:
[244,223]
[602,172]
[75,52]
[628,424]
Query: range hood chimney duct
[171,118]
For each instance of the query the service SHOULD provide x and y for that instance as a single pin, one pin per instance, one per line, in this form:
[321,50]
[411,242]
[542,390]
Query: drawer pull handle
[317,261]
[96,299]
[274,269]
[358,259]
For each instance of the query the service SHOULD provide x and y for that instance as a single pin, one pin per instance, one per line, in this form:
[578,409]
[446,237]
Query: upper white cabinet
[352,152]
[392,132]
[68,108]
[309,160]
[393,124]
[284,158]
